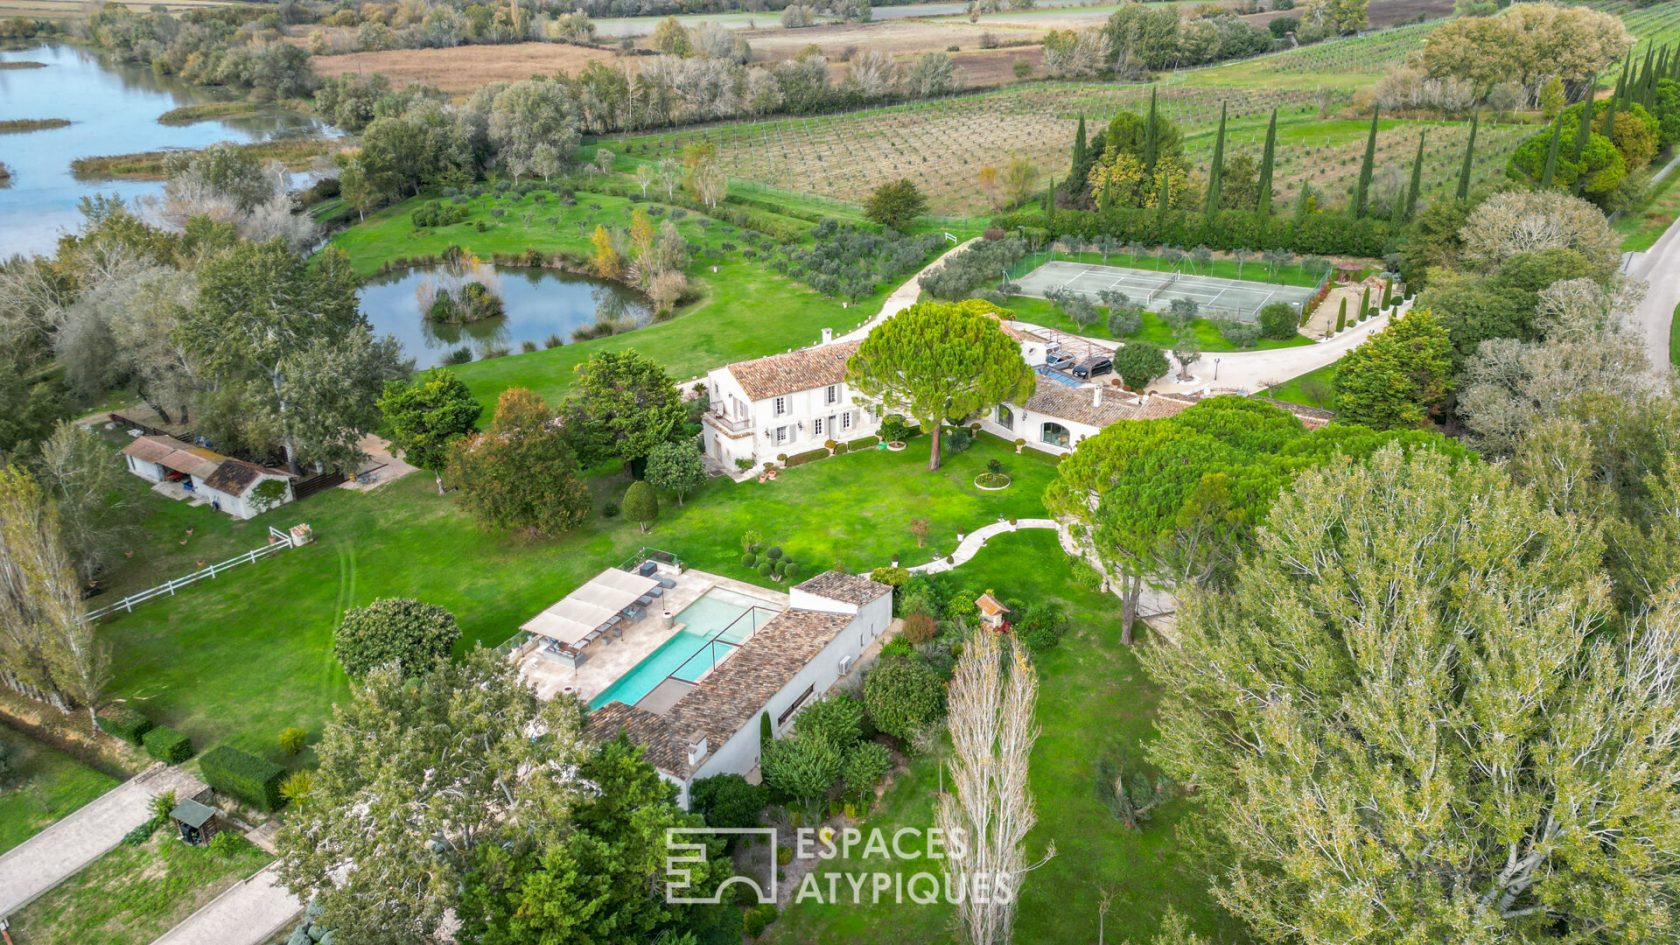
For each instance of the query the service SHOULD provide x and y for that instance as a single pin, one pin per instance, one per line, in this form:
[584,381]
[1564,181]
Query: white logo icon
[685,849]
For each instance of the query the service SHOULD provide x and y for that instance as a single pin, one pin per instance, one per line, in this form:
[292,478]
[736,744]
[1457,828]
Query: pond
[540,303]
[113,109]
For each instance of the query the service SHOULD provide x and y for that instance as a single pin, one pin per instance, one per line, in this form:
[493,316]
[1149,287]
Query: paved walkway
[1659,266]
[251,913]
[904,296]
[58,852]
[1252,371]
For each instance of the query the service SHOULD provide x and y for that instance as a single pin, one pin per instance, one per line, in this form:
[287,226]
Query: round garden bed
[991,482]
[896,446]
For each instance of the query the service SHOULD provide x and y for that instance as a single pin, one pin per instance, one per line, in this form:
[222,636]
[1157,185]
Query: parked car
[1094,367]
[1057,361]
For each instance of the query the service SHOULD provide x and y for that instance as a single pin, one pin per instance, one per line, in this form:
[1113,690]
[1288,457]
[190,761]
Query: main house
[783,405]
[790,661]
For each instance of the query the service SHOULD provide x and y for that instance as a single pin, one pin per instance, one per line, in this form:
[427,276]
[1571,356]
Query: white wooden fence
[281,542]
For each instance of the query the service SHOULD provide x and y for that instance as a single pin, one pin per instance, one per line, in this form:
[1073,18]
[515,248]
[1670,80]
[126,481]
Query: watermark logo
[845,866]
[686,852]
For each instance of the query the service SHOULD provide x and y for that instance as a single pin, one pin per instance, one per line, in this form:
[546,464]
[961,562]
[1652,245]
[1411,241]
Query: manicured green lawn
[746,310]
[1155,329]
[1094,699]
[242,657]
[1312,389]
[42,784]
[133,894]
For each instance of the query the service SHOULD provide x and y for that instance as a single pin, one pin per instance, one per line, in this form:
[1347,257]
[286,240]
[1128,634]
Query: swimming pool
[718,622]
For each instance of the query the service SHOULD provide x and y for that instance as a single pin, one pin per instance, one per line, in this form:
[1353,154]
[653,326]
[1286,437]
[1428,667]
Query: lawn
[1094,699]
[1155,329]
[1642,224]
[133,894]
[1312,389]
[242,657]
[41,785]
[746,310]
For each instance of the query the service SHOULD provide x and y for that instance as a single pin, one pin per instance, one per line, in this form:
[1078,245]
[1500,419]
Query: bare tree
[990,807]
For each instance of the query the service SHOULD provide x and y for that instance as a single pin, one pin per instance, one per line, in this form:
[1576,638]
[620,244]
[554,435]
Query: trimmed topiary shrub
[125,723]
[727,800]
[749,560]
[240,774]
[168,746]
[755,920]
[764,567]
[773,552]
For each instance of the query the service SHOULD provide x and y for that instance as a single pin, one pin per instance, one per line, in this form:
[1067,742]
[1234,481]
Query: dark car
[1094,367]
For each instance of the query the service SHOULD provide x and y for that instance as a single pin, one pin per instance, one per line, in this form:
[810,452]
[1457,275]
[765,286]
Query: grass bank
[134,893]
[242,657]
[1094,702]
[212,111]
[16,126]
[43,785]
[294,153]
[1312,389]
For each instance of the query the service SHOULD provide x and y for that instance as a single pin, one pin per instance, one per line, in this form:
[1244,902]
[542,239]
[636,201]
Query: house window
[780,408]
[846,420]
[832,395]
[817,427]
[1005,417]
[810,691]
[1055,434]
[781,435]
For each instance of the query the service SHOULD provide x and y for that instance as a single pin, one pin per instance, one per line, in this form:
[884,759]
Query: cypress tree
[1583,131]
[1163,199]
[1266,158]
[1149,136]
[1341,316]
[1469,154]
[1608,125]
[1417,178]
[1364,304]
[1550,170]
[1216,173]
[1644,85]
[1079,149]
[1363,193]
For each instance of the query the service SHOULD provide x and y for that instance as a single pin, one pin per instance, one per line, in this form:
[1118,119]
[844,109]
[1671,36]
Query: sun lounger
[666,582]
[632,613]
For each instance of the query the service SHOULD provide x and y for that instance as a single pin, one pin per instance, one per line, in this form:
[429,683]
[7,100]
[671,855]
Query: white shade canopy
[579,613]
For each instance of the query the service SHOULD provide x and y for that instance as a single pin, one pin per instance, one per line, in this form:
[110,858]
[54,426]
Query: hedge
[125,723]
[1316,234]
[799,459]
[168,746]
[240,774]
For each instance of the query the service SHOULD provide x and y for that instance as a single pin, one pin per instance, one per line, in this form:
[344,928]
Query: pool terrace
[656,660]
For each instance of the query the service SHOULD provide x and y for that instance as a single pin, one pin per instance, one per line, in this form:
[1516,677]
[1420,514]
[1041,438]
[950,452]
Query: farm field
[261,638]
[461,69]
[1094,703]
[941,145]
[43,785]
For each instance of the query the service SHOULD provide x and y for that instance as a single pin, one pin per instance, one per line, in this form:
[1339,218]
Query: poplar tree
[1469,154]
[1216,173]
[1417,178]
[1149,143]
[940,361]
[1363,194]
[1266,158]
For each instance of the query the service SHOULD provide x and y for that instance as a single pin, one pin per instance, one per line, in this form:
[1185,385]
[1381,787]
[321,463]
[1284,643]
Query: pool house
[690,676]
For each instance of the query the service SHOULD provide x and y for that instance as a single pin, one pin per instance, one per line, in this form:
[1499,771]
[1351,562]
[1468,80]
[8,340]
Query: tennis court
[1215,297]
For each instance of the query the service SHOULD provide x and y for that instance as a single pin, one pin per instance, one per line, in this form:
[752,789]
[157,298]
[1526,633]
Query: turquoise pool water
[712,627]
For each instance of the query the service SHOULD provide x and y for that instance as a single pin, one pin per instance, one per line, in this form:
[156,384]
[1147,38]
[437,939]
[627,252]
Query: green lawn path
[242,657]
[1094,699]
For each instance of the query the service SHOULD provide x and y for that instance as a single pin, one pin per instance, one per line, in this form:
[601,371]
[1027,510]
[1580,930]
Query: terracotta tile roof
[1078,404]
[804,369]
[730,697]
[171,453]
[236,476]
[989,605]
[845,588]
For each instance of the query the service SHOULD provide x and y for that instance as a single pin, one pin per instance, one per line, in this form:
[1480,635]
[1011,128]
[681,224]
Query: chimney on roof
[697,748]
[1096,396]
[827,336]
